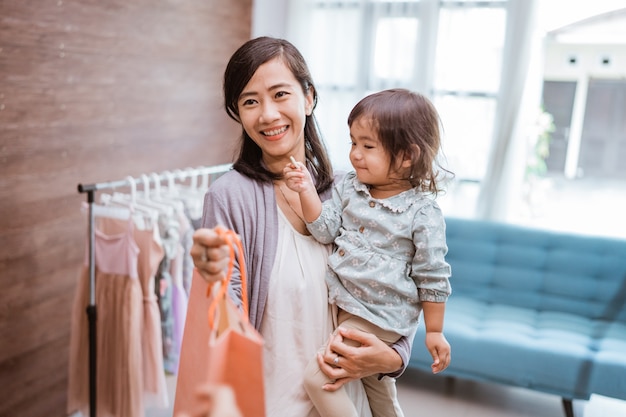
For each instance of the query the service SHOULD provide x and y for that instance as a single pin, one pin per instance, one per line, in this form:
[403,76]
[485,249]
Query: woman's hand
[373,356]
[210,253]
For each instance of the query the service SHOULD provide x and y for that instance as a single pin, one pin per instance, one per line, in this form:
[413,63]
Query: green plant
[540,149]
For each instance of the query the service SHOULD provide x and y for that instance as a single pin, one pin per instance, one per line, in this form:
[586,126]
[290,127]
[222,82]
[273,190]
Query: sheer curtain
[470,57]
[355,47]
[518,102]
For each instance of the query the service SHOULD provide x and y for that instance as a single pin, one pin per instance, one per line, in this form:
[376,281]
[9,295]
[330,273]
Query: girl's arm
[431,274]
[299,179]
[436,342]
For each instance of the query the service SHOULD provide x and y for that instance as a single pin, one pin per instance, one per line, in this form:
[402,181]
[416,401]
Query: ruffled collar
[398,203]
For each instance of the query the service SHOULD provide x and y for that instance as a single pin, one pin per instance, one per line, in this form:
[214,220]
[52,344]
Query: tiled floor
[427,395]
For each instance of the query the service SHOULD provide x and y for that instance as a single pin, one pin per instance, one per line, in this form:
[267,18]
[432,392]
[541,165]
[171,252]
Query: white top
[296,323]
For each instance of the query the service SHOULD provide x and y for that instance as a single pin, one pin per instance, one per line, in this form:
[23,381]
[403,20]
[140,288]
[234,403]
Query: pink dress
[150,255]
[119,302]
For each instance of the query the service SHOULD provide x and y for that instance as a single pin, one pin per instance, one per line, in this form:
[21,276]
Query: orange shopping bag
[227,350]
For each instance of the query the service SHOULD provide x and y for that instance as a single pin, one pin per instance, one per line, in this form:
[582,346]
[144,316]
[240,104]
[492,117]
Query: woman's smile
[275,133]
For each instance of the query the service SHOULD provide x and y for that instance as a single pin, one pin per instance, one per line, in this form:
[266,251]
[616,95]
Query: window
[450,51]
[468,63]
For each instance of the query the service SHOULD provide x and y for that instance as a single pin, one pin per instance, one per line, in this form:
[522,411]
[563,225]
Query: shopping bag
[220,346]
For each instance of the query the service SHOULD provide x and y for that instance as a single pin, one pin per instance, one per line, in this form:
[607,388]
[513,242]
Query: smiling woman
[269,91]
[253,89]
[274,108]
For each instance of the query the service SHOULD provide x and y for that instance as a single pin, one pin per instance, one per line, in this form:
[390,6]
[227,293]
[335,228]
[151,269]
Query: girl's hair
[240,69]
[404,121]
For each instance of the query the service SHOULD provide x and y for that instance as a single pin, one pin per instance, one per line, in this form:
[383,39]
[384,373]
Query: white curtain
[518,102]
[354,47]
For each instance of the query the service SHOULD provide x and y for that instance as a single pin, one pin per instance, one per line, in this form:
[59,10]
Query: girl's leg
[328,404]
[382,394]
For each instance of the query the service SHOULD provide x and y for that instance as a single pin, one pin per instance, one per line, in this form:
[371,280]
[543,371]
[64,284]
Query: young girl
[389,234]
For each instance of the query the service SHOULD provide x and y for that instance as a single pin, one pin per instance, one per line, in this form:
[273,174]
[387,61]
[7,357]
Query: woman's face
[273,110]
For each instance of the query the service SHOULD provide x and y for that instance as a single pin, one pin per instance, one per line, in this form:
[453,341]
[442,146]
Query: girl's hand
[210,253]
[439,349]
[370,356]
[297,177]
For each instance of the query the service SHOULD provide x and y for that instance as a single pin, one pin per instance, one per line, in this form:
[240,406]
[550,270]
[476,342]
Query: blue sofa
[536,309]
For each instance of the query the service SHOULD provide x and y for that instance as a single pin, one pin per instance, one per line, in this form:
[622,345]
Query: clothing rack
[91,189]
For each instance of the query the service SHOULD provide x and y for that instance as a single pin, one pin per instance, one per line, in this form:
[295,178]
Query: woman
[268,90]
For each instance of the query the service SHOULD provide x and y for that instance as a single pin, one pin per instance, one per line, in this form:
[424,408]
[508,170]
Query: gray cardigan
[248,207]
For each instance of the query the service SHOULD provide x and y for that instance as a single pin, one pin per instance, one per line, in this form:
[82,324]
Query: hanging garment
[168,225]
[150,255]
[119,302]
[187,230]
[176,240]
[179,297]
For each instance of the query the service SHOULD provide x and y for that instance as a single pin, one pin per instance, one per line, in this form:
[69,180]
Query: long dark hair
[405,120]
[240,69]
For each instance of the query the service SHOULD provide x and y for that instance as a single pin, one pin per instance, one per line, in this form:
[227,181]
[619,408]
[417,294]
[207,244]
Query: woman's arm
[372,357]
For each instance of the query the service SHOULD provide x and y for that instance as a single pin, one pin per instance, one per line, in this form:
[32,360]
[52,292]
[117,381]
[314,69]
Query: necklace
[288,203]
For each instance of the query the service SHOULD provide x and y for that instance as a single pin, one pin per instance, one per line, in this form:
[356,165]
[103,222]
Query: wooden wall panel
[91,91]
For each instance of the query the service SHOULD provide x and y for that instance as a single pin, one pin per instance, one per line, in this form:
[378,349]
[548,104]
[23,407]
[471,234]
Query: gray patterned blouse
[389,254]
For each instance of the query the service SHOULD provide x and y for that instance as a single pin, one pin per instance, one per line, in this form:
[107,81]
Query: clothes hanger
[184,174]
[143,216]
[165,197]
[99,210]
[150,201]
[143,202]
[172,188]
[192,194]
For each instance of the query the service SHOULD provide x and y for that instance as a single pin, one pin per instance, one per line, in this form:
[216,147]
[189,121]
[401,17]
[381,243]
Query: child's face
[370,160]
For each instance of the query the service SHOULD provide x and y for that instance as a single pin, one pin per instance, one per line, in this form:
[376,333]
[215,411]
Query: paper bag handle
[232,240]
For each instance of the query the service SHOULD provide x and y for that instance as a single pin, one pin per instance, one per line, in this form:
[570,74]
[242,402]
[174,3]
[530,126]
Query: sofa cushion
[535,308]
[538,269]
[551,352]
